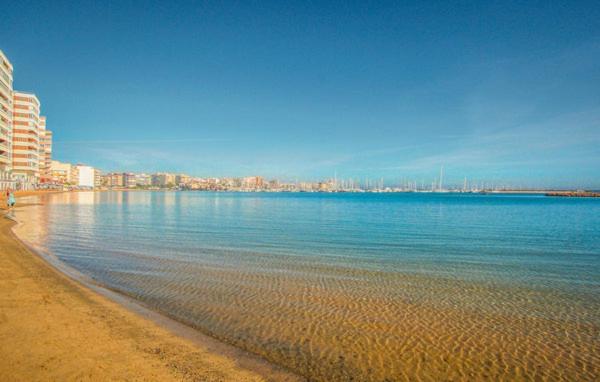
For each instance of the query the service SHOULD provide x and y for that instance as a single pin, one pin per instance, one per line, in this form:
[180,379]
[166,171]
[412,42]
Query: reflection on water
[354,287]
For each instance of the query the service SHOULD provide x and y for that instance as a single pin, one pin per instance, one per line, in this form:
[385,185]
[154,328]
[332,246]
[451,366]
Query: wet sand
[53,328]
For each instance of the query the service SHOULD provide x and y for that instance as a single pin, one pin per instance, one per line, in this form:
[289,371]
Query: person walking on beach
[10,199]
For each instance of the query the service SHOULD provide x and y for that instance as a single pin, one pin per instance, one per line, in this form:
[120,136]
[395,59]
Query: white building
[6,101]
[86,176]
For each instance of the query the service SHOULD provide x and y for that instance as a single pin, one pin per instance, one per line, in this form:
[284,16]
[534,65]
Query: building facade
[26,139]
[182,180]
[6,110]
[86,176]
[253,182]
[162,179]
[115,179]
[98,178]
[129,180]
[61,173]
[45,158]
[143,180]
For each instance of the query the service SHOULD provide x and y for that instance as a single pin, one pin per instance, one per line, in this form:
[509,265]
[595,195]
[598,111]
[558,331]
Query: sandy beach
[321,320]
[54,328]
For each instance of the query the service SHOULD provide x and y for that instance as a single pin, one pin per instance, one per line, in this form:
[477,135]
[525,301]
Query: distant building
[253,182]
[323,186]
[163,180]
[61,173]
[182,180]
[117,179]
[129,180]
[86,176]
[143,180]
[97,178]
[274,184]
[45,158]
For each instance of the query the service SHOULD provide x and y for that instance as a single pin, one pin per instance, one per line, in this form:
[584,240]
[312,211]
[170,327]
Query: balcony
[5,96]
[29,166]
[4,87]
[28,151]
[4,158]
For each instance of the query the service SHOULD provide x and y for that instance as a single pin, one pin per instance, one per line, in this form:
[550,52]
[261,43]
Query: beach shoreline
[325,320]
[56,324]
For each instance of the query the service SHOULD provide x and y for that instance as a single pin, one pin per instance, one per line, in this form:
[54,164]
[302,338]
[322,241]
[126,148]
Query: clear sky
[497,91]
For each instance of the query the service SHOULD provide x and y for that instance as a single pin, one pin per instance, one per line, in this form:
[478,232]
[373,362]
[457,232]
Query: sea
[352,286]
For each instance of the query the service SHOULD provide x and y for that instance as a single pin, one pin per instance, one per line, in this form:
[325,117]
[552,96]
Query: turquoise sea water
[512,238]
[208,259]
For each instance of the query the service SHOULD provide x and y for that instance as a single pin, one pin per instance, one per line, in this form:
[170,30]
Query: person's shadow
[10,214]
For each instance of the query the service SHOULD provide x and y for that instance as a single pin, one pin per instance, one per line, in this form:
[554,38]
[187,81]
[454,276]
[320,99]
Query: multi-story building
[61,173]
[274,184]
[182,180]
[86,176]
[104,180]
[253,182]
[26,139]
[130,180]
[116,179]
[45,152]
[6,110]
[143,180]
[97,178]
[163,180]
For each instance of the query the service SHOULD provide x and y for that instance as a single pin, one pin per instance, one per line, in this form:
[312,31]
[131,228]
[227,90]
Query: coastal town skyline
[27,163]
[523,113]
[284,191]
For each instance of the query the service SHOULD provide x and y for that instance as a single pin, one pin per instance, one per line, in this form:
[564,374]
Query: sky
[496,91]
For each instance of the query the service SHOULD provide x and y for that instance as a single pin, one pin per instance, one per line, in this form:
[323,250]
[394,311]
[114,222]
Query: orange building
[26,139]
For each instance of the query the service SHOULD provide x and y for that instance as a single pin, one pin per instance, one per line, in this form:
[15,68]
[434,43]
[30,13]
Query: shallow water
[364,287]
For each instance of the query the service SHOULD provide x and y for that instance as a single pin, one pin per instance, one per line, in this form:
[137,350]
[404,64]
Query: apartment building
[143,180]
[86,176]
[129,180]
[162,179]
[45,158]
[6,100]
[115,179]
[26,139]
[61,173]
[182,179]
[253,182]
[98,178]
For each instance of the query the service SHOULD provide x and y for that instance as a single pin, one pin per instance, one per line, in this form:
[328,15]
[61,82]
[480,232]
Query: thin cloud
[140,141]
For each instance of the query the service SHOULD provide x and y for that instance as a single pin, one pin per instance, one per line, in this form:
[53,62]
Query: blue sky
[504,92]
